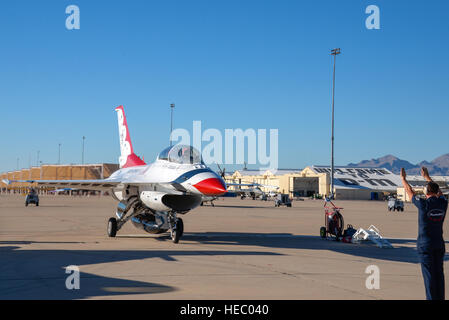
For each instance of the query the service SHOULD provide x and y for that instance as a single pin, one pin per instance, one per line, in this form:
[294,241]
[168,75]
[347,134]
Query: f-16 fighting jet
[151,195]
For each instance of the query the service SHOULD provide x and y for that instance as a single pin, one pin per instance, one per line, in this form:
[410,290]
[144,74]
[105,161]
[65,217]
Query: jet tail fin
[127,156]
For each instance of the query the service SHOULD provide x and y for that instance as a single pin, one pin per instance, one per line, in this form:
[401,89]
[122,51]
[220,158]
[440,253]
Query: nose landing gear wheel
[177,231]
[112,227]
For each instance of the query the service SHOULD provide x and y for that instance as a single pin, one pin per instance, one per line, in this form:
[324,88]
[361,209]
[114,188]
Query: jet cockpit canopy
[181,154]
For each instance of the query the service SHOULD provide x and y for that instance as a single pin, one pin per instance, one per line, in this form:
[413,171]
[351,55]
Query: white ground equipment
[372,234]
[395,204]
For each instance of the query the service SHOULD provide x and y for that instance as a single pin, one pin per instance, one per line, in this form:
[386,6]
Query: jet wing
[241,184]
[252,185]
[99,184]
[61,190]
[76,184]
[239,192]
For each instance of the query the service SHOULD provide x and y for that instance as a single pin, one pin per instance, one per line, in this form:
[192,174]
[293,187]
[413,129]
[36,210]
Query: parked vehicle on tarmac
[333,221]
[32,197]
[395,204]
[282,200]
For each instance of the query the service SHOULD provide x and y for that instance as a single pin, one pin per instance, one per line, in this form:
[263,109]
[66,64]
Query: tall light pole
[37,161]
[82,153]
[17,163]
[59,154]
[172,107]
[334,52]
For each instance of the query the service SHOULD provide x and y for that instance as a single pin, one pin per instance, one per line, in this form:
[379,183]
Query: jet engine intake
[160,201]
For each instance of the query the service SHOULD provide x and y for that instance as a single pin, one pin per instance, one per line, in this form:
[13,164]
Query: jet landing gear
[176,228]
[112,227]
[154,222]
[123,208]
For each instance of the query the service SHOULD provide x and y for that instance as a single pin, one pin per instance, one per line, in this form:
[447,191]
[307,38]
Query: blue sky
[231,64]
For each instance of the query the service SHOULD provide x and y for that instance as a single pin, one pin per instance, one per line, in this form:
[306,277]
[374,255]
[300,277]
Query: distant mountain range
[438,166]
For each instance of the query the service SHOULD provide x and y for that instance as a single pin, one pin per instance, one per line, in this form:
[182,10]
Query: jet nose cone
[211,187]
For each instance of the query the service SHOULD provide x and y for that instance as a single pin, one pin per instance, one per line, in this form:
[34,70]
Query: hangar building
[55,172]
[349,183]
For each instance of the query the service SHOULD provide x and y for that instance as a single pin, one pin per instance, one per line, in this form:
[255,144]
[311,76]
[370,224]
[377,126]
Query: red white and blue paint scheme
[152,195]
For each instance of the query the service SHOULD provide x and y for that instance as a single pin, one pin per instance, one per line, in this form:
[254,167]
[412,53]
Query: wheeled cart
[333,221]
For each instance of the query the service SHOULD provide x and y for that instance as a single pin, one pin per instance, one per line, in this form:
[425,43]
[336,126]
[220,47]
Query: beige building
[295,182]
[349,183]
[278,180]
[55,172]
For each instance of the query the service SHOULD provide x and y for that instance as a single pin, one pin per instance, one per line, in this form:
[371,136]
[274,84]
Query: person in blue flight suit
[430,245]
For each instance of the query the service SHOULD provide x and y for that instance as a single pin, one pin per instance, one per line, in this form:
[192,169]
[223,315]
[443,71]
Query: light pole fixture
[334,52]
[172,107]
[59,154]
[82,153]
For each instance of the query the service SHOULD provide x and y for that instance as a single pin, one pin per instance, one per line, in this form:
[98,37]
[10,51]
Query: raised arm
[425,174]
[407,186]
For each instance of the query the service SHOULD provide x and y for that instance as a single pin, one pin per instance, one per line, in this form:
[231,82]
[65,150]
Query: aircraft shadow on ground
[53,206]
[399,253]
[40,274]
[235,206]
[34,242]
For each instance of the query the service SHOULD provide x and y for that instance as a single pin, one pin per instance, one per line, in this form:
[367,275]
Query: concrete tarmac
[239,249]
